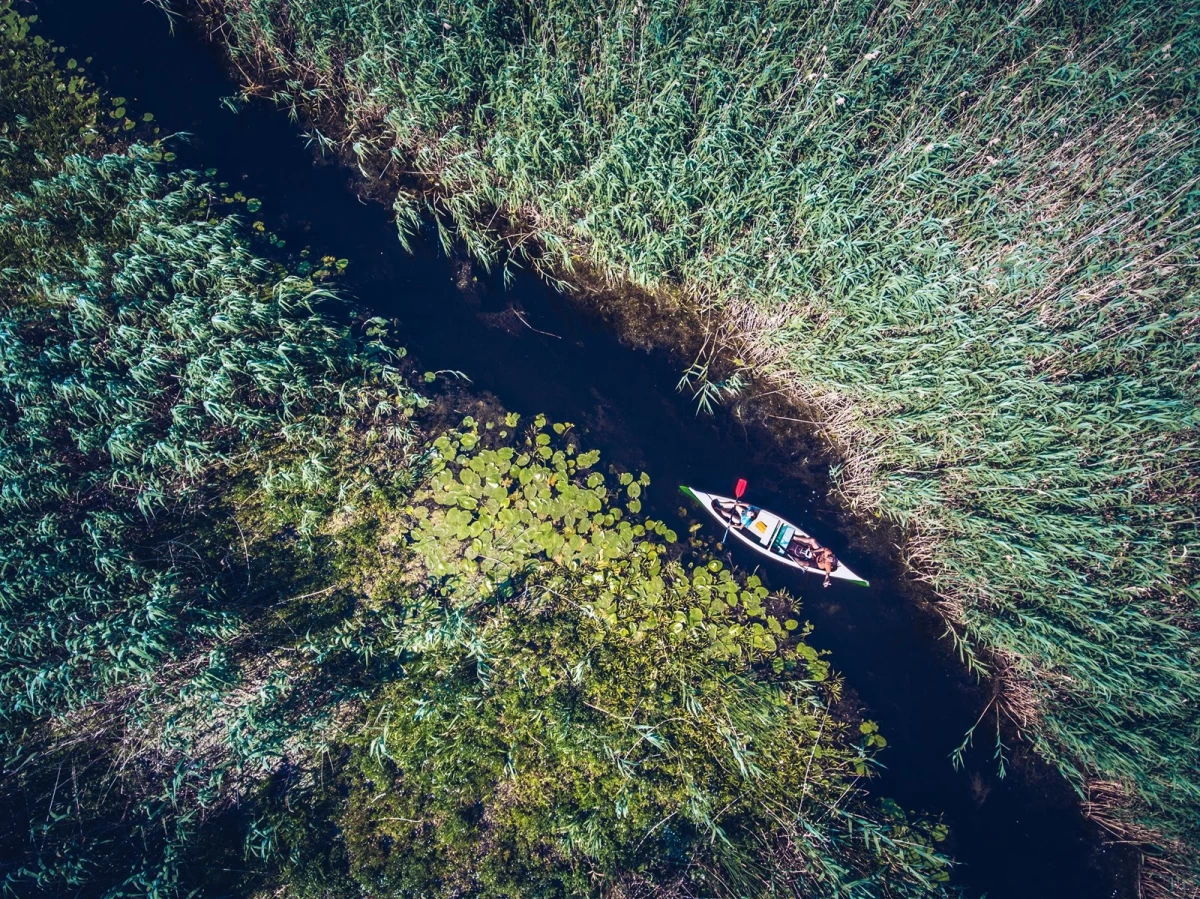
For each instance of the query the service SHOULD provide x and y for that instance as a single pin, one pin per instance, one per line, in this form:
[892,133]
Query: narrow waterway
[1014,837]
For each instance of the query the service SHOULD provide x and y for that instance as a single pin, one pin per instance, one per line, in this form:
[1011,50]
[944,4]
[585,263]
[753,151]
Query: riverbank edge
[718,335]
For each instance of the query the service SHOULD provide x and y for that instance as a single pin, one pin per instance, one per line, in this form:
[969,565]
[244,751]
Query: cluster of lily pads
[490,513]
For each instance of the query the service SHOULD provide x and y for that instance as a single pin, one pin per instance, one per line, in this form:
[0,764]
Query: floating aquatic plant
[580,705]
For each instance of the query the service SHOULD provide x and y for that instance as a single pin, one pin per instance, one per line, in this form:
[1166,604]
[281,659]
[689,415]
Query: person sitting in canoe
[809,552]
[738,514]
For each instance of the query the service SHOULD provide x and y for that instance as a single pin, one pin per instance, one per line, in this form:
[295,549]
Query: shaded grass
[967,232]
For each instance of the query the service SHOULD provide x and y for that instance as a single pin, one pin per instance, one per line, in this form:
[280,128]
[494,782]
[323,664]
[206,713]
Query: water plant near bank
[962,231]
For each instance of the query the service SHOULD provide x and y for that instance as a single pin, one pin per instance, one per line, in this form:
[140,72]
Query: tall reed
[966,231]
[148,358]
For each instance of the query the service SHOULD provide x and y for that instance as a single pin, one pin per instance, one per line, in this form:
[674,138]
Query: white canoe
[767,533]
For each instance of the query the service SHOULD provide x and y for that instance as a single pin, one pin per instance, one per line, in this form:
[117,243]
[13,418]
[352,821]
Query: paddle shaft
[738,490]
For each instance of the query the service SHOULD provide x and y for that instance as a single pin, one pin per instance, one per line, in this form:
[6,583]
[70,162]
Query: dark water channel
[1015,837]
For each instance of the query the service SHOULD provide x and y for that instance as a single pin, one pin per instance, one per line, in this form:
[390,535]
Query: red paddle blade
[740,488]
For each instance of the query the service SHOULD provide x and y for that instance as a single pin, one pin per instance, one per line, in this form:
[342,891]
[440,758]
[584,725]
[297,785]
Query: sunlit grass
[966,231]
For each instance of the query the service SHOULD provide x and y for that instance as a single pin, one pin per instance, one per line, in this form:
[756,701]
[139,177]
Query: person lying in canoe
[802,549]
[808,551]
[738,514]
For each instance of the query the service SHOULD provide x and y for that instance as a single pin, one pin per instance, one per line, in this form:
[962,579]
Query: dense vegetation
[580,713]
[263,625]
[151,358]
[964,231]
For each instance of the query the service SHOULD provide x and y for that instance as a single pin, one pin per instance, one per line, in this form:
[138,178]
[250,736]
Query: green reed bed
[148,359]
[264,629]
[966,231]
[230,581]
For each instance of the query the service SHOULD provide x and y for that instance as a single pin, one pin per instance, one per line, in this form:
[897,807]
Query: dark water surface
[1016,837]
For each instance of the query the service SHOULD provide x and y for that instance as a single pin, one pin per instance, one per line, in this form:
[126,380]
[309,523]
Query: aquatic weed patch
[964,231]
[580,709]
[45,112]
[50,106]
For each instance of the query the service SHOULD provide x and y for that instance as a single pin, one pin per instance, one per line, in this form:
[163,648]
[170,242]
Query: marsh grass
[228,570]
[966,232]
[147,360]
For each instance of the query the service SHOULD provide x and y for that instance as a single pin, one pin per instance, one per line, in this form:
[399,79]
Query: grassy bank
[270,622]
[966,232]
